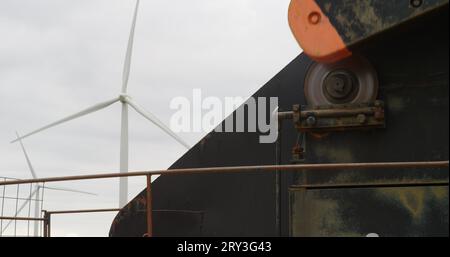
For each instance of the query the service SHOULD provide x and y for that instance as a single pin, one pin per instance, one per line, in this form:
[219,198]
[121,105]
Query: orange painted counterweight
[314,32]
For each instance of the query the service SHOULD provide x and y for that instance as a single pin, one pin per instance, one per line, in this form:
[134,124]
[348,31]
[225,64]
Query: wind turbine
[126,101]
[36,192]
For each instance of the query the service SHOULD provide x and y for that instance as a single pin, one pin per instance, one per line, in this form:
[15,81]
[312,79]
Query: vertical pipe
[45,225]
[278,182]
[49,222]
[3,207]
[149,207]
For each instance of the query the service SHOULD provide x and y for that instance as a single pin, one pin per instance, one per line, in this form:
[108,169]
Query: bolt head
[311,121]
[361,118]
[314,18]
[416,3]
[378,103]
[379,115]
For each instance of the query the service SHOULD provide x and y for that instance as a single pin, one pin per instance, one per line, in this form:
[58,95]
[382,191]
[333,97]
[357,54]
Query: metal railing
[48,216]
[15,198]
[240,169]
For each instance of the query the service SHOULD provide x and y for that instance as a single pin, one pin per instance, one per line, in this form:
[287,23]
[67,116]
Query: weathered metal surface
[339,117]
[332,30]
[413,72]
[385,211]
[356,21]
[374,184]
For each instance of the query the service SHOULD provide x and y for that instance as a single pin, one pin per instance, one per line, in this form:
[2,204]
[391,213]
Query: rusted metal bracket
[329,30]
[339,117]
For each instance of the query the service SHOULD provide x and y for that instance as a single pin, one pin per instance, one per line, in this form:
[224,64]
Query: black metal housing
[413,67]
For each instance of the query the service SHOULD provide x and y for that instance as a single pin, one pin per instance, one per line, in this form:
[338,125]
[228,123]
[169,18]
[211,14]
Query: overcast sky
[58,57]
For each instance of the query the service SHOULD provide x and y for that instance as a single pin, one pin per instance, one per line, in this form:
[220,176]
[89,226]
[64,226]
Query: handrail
[83,211]
[239,169]
[21,218]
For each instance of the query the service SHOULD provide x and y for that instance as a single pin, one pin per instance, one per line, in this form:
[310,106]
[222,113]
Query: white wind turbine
[126,101]
[36,193]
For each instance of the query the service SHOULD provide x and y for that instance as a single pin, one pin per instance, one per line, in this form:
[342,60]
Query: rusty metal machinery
[341,87]
[339,118]
[351,81]
[340,96]
[371,86]
[343,92]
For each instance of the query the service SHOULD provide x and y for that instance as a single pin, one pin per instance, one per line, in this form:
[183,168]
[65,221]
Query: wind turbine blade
[156,121]
[69,190]
[30,166]
[127,64]
[89,110]
[20,208]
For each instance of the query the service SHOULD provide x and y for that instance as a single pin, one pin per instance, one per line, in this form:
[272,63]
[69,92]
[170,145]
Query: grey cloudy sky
[60,56]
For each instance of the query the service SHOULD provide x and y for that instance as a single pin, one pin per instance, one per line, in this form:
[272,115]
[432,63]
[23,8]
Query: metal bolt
[361,118]
[314,17]
[311,121]
[379,115]
[416,3]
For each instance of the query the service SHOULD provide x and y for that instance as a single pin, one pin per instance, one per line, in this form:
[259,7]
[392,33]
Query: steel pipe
[240,169]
